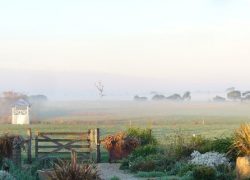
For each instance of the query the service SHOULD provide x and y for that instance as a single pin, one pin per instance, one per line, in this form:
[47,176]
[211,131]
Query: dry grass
[242,140]
[242,168]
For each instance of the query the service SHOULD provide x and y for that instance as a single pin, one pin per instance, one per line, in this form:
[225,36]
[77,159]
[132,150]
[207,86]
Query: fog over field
[143,48]
[64,85]
[144,111]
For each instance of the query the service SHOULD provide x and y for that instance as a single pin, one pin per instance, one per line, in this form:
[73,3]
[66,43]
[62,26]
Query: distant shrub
[144,135]
[204,173]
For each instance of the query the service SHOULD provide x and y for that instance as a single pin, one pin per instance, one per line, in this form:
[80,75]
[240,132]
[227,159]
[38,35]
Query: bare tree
[100,88]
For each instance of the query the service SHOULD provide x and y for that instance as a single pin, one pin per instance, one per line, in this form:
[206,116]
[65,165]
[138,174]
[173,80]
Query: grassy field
[164,118]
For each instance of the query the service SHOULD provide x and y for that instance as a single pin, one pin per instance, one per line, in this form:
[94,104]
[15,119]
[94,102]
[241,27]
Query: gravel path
[107,171]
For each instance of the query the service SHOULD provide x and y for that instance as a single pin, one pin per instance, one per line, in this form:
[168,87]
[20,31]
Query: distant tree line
[234,95]
[174,97]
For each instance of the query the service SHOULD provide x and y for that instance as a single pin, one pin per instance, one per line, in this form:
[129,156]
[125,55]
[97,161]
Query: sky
[188,44]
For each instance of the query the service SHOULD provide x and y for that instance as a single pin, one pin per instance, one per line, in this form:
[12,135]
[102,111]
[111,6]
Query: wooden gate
[62,143]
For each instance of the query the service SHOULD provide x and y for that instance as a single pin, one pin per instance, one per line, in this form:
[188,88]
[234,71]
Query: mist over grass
[121,110]
[206,118]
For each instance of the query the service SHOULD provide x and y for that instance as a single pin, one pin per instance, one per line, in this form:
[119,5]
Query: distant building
[21,112]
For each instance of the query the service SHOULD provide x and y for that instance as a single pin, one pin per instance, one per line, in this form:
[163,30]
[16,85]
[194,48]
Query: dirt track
[107,171]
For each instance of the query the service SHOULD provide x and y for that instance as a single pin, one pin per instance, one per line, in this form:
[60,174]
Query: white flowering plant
[211,159]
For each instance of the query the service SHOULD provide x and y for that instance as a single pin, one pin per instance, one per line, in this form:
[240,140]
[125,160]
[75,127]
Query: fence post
[150,132]
[73,159]
[36,144]
[16,151]
[29,133]
[97,142]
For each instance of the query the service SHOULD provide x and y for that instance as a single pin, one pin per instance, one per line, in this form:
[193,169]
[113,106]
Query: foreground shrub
[144,135]
[142,164]
[66,171]
[204,173]
[115,178]
[145,151]
[119,145]
[181,168]
[18,173]
[225,172]
[5,176]
[6,143]
[146,158]
[150,174]
[221,145]
[153,162]
[242,141]
[181,146]
[211,159]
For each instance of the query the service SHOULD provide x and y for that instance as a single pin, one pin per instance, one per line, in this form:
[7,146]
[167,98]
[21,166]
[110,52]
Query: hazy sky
[180,40]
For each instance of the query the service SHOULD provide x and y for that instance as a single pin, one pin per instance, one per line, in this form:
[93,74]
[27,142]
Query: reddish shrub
[119,145]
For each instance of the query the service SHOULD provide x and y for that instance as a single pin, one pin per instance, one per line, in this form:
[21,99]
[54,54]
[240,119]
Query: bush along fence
[56,144]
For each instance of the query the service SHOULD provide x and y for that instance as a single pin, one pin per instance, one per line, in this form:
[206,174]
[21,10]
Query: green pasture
[165,119]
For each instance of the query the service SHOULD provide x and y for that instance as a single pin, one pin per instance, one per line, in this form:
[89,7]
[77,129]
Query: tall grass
[242,140]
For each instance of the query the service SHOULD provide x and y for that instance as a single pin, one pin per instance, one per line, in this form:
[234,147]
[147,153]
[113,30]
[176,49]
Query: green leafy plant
[6,176]
[115,178]
[145,150]
[150,174]
[18,173]
[181,145]
[142,164]
[204,173]
[221,145]
[144,135]
[225,172]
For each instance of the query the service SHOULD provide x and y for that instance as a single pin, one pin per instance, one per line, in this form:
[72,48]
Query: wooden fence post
[29,133]
[97,142]
[36,144]
[150,132]
[73,159]
[16,151]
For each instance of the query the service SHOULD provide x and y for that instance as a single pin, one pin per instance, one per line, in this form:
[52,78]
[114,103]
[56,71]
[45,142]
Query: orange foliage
[119,145]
